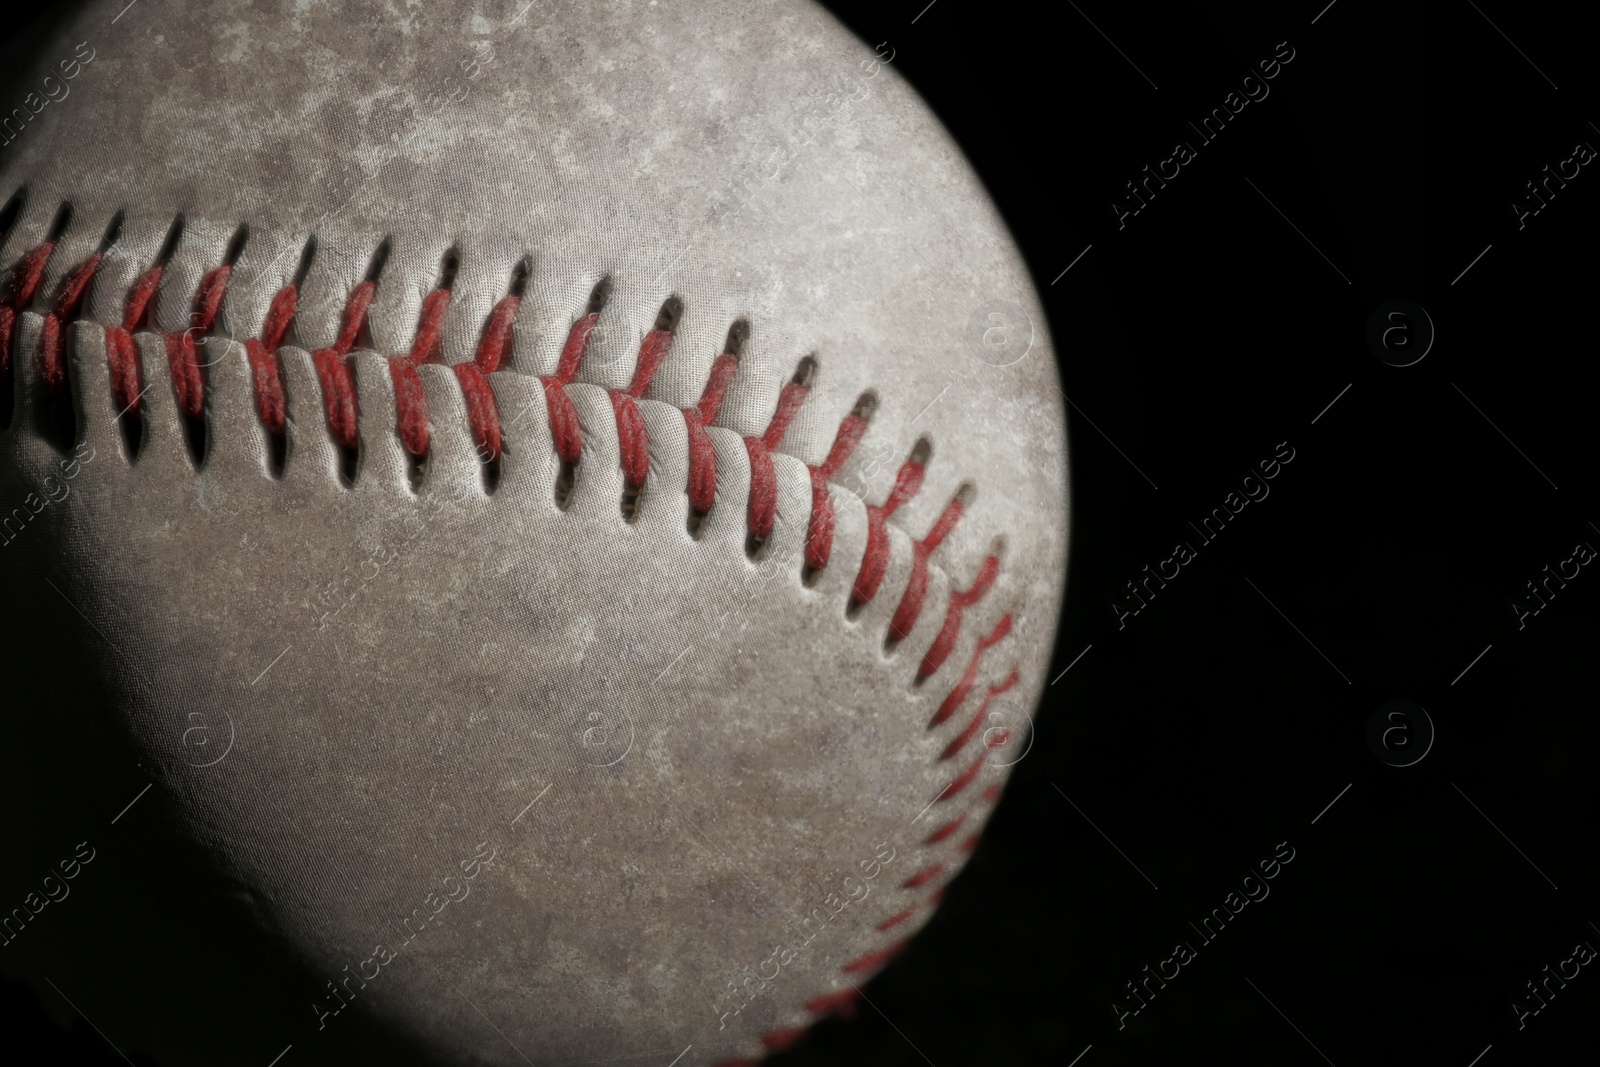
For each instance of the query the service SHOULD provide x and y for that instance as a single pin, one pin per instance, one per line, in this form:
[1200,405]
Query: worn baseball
[564,503]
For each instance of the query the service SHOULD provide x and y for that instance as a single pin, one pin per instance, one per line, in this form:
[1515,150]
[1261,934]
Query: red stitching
[965,736]
[874,961]
[951,630]
[923,877]
[565,429]
[340,401]
[492,354]
[266,370]
[52,342]
[20,289]
[702,456]
[958,695]
[497,335]
[905,616]
[946,830]
[763,476]
[819,537]
[333,368]
[876,560]
[410,406]
[843,1002]
[632,437]
[781,1040]
[483,413]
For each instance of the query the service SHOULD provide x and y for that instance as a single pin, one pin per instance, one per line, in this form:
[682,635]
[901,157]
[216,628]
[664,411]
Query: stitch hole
[738,337]
[806,373]
[236,243]
[598,296]
[448,267]
[670,315]
[349,464]
[277,454]
[380,260]
[519,277]
[9,213]
[58,422]
[566,479]
[416,470]
[308,255]
[8,219]
[491,472]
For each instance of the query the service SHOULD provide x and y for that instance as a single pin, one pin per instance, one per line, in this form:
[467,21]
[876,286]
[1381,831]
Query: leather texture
[732,779]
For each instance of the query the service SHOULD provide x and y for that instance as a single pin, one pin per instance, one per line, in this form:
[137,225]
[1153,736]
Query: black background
[1225,716]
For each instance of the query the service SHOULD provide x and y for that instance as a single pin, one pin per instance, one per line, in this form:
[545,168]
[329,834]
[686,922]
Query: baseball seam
[492,354]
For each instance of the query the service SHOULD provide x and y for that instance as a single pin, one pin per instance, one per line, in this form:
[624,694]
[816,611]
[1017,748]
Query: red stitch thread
[819,537]
[961,740]
[565,429]
[188,377]
[958,695]
[905,616]
[898,917]
[702,455]
[945,831]
[483,414]
[872,961]
[333,370]
[965,778]
[843,1002]
[781,1040]
[959,603]
[483,410]
[410,399]
[410,406]
[632,438]
[266,370]
[923,877]
[20,289]
[496,339]
[876,559]
[763,477]
[52,339]
[121,352]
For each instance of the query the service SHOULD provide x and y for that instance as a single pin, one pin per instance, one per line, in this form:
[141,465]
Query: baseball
[556,514]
